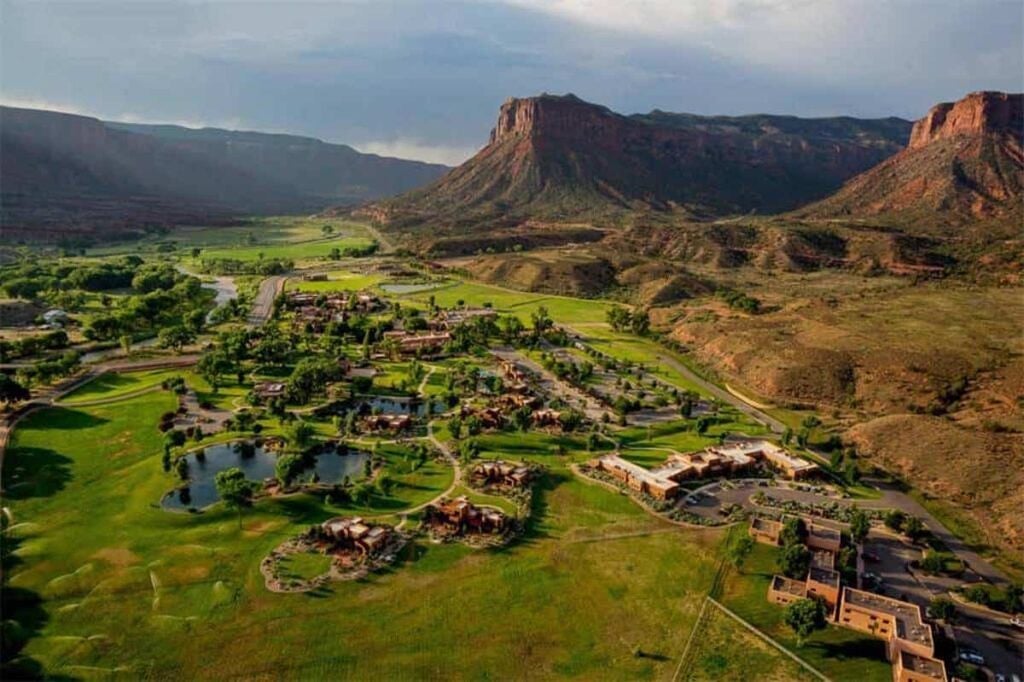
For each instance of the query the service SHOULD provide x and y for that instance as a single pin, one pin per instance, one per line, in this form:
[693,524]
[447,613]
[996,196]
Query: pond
[410,288]
[331,466]
[394,404]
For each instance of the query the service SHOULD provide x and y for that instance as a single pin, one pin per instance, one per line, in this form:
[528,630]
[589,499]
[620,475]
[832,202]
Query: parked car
[971,656]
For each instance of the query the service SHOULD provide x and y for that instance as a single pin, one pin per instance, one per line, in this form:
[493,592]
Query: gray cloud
[427,77]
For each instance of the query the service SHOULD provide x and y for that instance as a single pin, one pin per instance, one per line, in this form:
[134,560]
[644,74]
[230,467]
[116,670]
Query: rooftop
[928,667]
[781,583]
[909,625]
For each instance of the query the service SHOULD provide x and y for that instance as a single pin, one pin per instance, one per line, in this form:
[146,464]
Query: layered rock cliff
[964,164]
[560,158]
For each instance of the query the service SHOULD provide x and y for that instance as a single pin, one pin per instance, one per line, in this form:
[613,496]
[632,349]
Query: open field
[131,587]
[111,385]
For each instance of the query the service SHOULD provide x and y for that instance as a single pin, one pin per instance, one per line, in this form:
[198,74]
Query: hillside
[964,164]
[67,175]
[559,158]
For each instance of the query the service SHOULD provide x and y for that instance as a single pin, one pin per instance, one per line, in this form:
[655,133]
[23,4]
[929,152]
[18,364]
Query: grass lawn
[319,248]
[837,652]
[725,650]
[112,385]
[101,580]
[304,565]
[339,280]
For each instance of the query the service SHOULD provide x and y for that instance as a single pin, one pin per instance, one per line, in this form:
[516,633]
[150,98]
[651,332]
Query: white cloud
[32,103]
[418,150]
[228,124]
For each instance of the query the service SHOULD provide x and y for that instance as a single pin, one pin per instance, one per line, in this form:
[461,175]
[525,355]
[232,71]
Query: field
[105,581]
[109,386]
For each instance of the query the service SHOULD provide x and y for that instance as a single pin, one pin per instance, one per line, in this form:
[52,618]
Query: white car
[1017,622]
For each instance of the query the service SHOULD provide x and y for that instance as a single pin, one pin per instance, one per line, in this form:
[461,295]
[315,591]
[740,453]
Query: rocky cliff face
[977,113]
[964,164]
[560,158]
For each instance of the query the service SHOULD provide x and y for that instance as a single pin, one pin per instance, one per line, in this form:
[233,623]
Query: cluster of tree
[622,319]
[740,301]
[46,371]
[233,266]
[1009,599]
[180,305]
[11,391]
[794,560]
[337,253]
[28,346]
[310,377]
[804,616]
[911,526]
[575,372]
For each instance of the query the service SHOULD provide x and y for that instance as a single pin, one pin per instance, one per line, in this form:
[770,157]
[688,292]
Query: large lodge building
[663,483]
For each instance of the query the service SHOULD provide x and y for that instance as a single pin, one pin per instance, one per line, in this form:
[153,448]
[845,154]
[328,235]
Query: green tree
[234,490]
[11,391]
[794,560]
[804,616]
[287,468]
[894,519]
[213,366]
[300,435]
[913,528]
[860,525]
[455,427]
[943,609]
[175,337]
[739,549]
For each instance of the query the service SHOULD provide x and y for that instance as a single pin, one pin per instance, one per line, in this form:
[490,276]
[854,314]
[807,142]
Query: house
[461,516]
[502,473]
[267,390]
[55,318]
[733,458]
[490,417]
[636,477]
[409,343]
[449,319]
[512,373]
[515,401]
[388,422]
[821,537]
[546,417]
[353,533]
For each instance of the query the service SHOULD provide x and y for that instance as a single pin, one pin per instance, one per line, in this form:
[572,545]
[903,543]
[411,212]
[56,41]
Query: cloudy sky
[423,79]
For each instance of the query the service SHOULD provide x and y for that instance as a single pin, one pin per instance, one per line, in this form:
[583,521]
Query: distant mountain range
[64,174]
[560,158]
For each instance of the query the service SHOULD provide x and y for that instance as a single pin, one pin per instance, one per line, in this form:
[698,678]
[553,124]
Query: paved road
[263,305]
[552,385]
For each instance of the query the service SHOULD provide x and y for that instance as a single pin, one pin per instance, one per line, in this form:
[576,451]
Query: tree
[234,490]
[455,427]
[175,337]
[913,528]
[787,435]
[943,609]
[739,549]
[195,252]
[300,435]
[11,391]
[804,616]
[933,562]
[860,525]
[894,519]
[212,366]
[287,468]
[794,561]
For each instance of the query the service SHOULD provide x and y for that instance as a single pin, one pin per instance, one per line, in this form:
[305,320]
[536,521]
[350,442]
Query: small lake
[258,463]
[410,288]
[386,404]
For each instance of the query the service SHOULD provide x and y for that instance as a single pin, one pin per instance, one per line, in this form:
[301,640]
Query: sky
[424,79]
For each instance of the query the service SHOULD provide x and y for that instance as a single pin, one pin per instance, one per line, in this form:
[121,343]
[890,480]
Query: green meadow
[105,583]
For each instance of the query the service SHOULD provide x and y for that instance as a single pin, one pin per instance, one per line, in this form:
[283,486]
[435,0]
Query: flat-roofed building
[898,622]
[823,538]
[823,583]
[910,667]
[784,591]
[766,531]
[636,477]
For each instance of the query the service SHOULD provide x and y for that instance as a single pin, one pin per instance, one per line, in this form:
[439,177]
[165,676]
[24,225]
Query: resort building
[351,532]
[546,417]
[823,538]
[462,516]
[387,422]
[409,343]
[731,459]
[448,319]
[269,389]
[636,477]
[910,644]
[766,531]
[498,472]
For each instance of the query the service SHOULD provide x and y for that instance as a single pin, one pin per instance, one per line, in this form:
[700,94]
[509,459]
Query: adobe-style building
[910,645]
[449,319]
[387,422]
[502,473]
[765,531]
[460,516]
[546,417]
[637,477]
[351,532]
[267,390]
[410,344]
